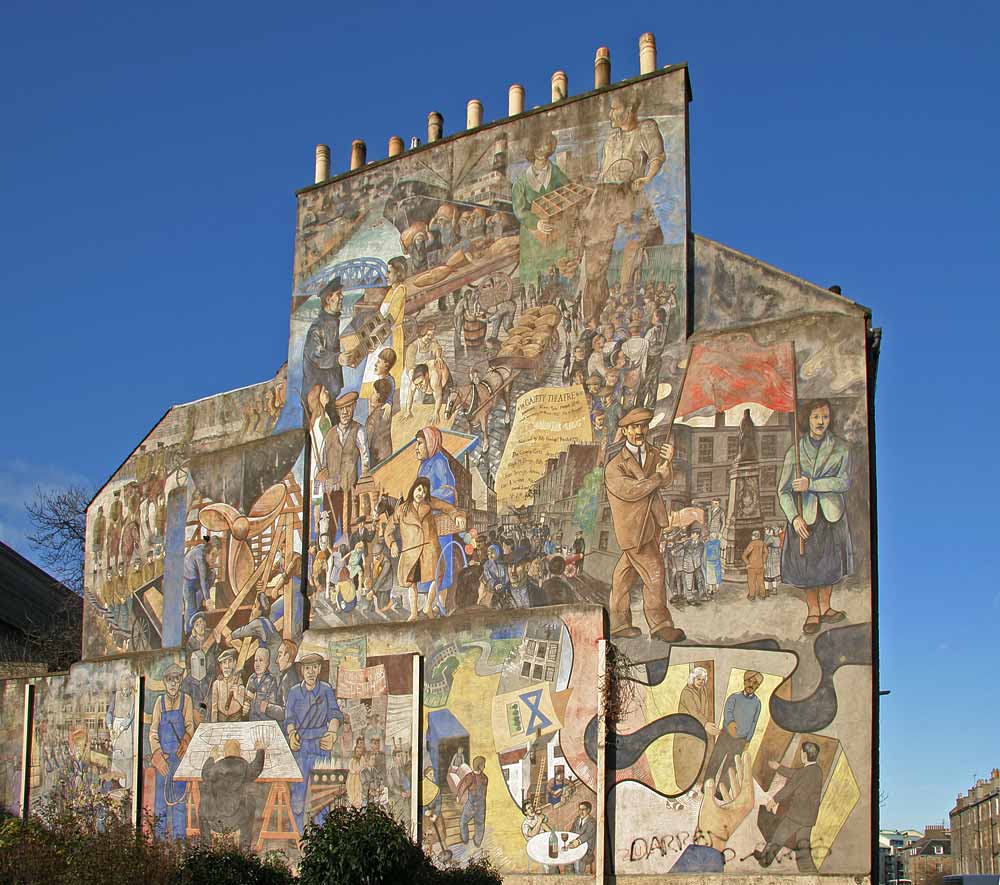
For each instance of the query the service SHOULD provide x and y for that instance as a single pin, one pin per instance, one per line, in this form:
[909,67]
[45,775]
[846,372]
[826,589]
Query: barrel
[475,332]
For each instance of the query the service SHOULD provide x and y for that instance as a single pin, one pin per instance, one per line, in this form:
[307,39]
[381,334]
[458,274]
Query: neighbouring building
[39,617]
[516,381]
[975,828]
[928,860]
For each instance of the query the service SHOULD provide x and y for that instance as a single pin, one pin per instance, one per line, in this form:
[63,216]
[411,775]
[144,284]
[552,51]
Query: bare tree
[59,530]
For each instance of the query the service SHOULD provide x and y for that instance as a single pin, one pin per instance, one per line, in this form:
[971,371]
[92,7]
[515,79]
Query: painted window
[706,450]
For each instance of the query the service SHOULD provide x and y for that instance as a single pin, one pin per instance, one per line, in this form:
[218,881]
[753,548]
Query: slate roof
[29,596]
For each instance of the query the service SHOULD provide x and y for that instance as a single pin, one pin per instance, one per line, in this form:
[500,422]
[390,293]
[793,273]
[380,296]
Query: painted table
[538,849]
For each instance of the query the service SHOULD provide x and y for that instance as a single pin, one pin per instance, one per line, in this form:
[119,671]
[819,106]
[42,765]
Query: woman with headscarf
[434,464]
[540,245]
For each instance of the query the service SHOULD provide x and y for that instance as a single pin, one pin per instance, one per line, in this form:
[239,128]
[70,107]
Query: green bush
[200,864]
[361,846]
[478,872]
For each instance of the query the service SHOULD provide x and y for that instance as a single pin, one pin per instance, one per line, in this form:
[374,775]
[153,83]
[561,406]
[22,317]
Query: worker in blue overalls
[169,736]
[312,721]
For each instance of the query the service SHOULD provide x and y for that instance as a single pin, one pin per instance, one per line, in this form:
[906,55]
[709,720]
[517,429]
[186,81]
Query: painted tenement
[536,445]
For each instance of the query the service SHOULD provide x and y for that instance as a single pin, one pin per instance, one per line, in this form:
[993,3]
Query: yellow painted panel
[841,796]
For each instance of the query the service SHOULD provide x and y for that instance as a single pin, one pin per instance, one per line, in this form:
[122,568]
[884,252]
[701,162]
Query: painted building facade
[526,417]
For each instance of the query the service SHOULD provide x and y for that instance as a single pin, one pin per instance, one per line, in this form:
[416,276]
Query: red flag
[733,369]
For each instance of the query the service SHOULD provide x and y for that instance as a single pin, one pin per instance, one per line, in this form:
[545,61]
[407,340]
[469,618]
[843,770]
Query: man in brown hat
[345,446]
[634,477]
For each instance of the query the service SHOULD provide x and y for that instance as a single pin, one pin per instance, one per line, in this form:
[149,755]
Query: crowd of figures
[345,739]
[126,544]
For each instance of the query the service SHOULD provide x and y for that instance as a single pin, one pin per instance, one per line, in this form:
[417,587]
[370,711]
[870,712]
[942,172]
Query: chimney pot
[414,142]
[515,100]
[358,154]
[835,290]
[322,172]
[395,146]
[560,85]
[435,126]
[647,53]
[474,114]
[602,67]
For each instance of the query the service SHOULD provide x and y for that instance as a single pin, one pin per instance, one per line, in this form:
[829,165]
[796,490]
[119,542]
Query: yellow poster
[548,420]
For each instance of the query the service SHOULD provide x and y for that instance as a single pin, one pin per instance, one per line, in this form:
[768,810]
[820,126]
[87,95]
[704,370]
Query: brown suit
[339,472]
[638,514]
[755,556]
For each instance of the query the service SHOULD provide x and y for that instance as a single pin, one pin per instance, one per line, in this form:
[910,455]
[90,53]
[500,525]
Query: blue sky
[148,162]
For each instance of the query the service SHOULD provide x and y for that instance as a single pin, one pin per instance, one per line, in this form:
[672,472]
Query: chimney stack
[560,85]
[647,53]
[358,154]
[435,126]
[322,163]
[474,114]
[602,67]
[515,100]
[395,146]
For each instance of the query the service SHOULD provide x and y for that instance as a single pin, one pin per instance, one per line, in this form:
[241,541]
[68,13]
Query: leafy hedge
[364,846]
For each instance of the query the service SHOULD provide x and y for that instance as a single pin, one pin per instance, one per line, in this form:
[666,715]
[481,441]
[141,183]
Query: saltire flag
[733,369]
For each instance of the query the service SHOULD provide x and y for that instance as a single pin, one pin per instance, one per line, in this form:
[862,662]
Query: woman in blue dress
[434,465]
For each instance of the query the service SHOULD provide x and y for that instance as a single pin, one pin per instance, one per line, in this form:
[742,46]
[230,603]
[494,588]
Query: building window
[706,450]
[732,447]
[767,506]
[538,671]
[704,482]
[768,446]
[526,670]
[769,477]
[939,849]
[605,514]
[602,541]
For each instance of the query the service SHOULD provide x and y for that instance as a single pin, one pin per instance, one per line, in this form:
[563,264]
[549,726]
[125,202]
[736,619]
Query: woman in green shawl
[540,245]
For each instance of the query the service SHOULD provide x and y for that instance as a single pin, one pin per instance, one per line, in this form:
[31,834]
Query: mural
[11,739]
[284,740]
[504,770]
[501,437]
[463,317]
[83,744]
[144,577]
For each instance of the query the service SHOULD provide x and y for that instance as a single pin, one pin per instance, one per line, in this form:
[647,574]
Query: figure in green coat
[541,245]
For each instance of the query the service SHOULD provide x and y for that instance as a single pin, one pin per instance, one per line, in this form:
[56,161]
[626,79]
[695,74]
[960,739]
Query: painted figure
[472,798]
[585,827]
[690,754]
[632,157]
[227,782]
[817,553]
[755,557]
[344,449]
[312,721]
[261,693]
[420,552]
[170,733]
[739,722]
[228,693]
[322,360]
[634,477]
[119,720]
[787,819]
